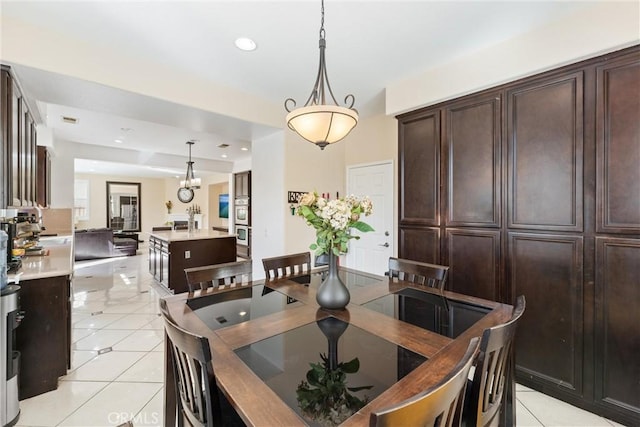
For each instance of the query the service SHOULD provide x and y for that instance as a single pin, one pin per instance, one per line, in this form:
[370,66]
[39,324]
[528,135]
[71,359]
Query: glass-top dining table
[276,353]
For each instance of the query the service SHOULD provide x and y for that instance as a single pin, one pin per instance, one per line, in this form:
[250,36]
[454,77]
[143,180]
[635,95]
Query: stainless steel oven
[242,235]
[242,211]
[243,241]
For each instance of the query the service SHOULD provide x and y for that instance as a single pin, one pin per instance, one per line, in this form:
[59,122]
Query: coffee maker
[13,263]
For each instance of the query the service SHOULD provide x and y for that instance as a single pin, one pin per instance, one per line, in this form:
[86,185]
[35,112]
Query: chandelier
[318,122]
[190,180]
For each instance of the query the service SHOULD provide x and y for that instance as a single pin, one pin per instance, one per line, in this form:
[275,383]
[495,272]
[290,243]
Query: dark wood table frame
[258,405]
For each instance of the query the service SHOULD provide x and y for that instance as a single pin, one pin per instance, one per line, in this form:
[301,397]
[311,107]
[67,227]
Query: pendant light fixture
[190,180]
[317,121]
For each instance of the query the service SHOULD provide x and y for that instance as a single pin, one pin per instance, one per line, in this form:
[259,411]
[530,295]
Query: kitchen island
[44,335]
[170,252]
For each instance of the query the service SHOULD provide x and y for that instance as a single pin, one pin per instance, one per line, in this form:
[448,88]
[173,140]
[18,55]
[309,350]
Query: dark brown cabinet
[18,137]
[44,340]
[544,135]
[533,188]
[170,254]
[43,186]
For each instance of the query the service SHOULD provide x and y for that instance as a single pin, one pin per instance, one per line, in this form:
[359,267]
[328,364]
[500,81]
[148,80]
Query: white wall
[307,169]
[268,208]
[62,175]
[152,207]
[604,27]
[201,197]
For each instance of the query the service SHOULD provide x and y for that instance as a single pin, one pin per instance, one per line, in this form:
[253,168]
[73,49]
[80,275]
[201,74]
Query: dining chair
[439,405]
[485,394]
[421,273]
[200,401]
[434,276]
[218,274]
[286,265]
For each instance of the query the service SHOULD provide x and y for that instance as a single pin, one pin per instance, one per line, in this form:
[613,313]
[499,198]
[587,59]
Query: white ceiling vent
[223,145]
[70,120]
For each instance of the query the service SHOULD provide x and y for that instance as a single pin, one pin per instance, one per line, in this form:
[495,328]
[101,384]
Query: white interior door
[372,251]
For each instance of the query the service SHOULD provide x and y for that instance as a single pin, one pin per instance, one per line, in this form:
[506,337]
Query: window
[81,200]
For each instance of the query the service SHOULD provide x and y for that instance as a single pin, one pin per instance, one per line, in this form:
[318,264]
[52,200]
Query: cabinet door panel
[27,172]
[16,147]
[473,257]
[618,145]
[617,338]
[5,155]
[34,164]
[420,244]
[43,175]
[547,270]
[419,154]
[473,162]
[545,139]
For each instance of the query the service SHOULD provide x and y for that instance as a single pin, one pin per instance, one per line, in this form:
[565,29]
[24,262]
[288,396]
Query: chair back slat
[212,276]
[286,265]
[195,380]
[487,389]
[420,273]
[439,405]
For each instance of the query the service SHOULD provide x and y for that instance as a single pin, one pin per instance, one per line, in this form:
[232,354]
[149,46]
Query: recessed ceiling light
[244,149]
[119,141]
[246,44]
[224,156]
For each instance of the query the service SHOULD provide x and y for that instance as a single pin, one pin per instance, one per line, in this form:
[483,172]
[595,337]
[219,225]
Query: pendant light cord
[322,20]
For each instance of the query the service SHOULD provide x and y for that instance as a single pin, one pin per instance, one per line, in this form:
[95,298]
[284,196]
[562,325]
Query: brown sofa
[101,243]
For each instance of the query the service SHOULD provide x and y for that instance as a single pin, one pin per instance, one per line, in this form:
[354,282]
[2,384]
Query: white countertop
[183,235]
[57,262]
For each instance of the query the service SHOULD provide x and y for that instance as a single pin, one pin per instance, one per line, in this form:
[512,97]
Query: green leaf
[362,226]
[364,387]
[351,367]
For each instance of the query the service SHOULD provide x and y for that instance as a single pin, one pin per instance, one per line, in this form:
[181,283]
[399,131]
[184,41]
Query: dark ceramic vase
[333,329]
[332,293]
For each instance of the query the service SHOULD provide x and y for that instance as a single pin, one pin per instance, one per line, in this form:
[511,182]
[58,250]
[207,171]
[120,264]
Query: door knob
[386,245]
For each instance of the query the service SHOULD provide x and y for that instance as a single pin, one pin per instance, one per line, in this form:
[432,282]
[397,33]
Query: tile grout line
[527,409]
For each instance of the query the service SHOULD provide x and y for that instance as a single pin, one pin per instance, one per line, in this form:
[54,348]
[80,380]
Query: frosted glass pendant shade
[322,124]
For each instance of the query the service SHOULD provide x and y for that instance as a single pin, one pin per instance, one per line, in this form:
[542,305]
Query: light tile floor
[117,371]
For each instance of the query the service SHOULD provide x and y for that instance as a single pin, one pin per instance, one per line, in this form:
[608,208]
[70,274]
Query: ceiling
[370,44]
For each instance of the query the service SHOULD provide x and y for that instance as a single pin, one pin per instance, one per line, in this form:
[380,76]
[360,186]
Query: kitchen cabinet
[242,185]
[170,252]
[43,182]
[533,188]
[44,336]
[19,141]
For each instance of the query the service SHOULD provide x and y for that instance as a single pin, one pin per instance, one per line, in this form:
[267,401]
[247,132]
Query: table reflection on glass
[272,345]
[222,309]
[345,357]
